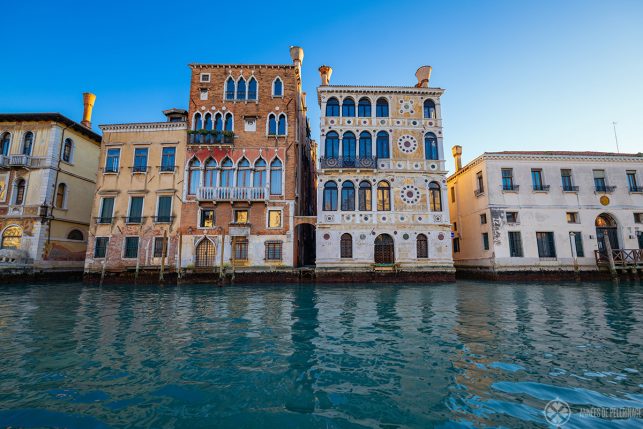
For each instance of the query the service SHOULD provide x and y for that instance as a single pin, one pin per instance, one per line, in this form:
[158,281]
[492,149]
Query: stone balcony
[336,163]
[232,194]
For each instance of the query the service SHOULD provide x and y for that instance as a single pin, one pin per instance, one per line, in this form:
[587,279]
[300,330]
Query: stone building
[248,172]
[47,177]
[381,190]
[137,204]
[522,211]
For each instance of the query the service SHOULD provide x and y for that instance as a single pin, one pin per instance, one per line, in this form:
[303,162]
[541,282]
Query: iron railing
[232,194]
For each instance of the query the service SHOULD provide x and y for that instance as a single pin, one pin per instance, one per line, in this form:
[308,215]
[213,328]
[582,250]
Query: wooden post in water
[102,273]
[163,245]
[222,251]
[178,262]
[610,258]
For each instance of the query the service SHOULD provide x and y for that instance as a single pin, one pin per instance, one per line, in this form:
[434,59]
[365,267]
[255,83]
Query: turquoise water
[469,354]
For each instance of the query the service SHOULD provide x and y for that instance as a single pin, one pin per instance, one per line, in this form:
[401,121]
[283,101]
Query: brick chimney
[325,72]
[457,156]
[88,102]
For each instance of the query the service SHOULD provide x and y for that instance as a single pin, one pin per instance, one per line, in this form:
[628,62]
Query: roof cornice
[144,127]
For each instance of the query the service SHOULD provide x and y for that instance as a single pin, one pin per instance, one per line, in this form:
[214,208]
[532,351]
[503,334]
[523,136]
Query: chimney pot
[423,74]
[88,103]
[457,156]
[325,72]
[297,55]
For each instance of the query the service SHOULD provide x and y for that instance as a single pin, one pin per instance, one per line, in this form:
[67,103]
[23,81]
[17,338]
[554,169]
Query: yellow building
[138,197]
[48,169]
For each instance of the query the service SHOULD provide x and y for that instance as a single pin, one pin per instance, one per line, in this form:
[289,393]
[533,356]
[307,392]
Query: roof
[562,153]
[56,117]
[257,66]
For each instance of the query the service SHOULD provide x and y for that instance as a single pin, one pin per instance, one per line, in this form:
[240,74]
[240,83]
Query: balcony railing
[232,194]
[478,192]
[210,138]
[540,188]
[4,161]
[164,219]
[605,189]
[636,188]
[510,188]
[135,219]
[20,160]
[369,162]
[104,219]
[570,188]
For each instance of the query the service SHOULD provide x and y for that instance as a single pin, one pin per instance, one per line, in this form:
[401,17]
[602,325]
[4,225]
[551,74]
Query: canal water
[462,355]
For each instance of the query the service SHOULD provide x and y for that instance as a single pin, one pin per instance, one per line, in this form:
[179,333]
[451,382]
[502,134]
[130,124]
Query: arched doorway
[384,249]
[11,238]
[606,229]
[205,254]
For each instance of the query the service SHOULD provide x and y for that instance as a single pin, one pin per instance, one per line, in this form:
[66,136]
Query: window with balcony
[431,147]
[348,147]
[383,196]
[206,218]
[546,244]
[244,174]
[331,148]
[632,183]
[508,179]
[537,180]
[332,107]
[364,108]
[228,124]
[252,89]
[210,173]
[164,209]
[346,246]
[260,175]
[112,160]
[600,185]
[100,247]
[140,160]
[383,147]
[348,196]
[273,250]
[566,180]
[194,176]
[168,157]
[208,121]
[278,88]
[381,108]
[27,143]
[365,145]
[429,109]
[131,248]
[435,197]
[276,170]
[241,89]
[364,196]
[348,107]
[421,247]
[135,212]
[197,123]
[330,196]
[515,244]
[5,143]
[226,174]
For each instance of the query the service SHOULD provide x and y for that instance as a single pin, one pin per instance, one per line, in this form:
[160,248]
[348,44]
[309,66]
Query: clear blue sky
[519,75]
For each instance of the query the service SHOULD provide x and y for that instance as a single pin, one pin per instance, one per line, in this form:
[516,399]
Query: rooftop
[51,116]
[562,153]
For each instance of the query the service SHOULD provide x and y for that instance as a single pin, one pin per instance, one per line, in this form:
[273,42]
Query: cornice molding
[144,126]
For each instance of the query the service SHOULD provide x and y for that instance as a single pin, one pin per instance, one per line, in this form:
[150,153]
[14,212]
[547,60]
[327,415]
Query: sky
[519,75]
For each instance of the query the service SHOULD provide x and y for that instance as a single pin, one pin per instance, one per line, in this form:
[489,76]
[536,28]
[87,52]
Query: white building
[533,211]
[381,189]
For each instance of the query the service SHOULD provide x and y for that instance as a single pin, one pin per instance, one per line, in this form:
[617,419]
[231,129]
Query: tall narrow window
[244,174]
[330,196]
[106,210]
[131,248]
[435,197]
[241,89]
[226,173]
[346,246]
[578,244]
[429,109]
[381,108]
[632,182]
[507,179]
[135,214]
[546,246]
[479,182]
[260,176]
[348,108]
[276,177]
[364,196]
[515,244]
[61,193]
[160,247]
[100,247]
[364,108]
[208,121]
[252,89]
[431,146]
[272,125]
[240,248]
[5,143]
[21,185]
[537,179]
[348,196]
[164,209]
[228,122]
[277,88]
[566,179]
[229,89]
[27,144]
[281,125]
[168,157]
[365,145]
[382,143]
[599,180]
[485,241]
[332,145]
[218,122]
[422,247]
[210,173]
[194,176]
[140,160]
[348,146]
[198,122]
[67,150]
[112,160]
[273,250]
[383,196]
[332,107]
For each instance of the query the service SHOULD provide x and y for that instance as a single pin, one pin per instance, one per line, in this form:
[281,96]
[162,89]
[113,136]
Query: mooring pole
[610,258]
[163,245]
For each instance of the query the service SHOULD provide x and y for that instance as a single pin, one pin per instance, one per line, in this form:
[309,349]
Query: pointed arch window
[276,169]
[5,143]
[194,177]
[241,89]
[210,174]
[252,89]
[332,107]
[260,174]
[429,109]
[228,122]
[21,186]
[348,196]
[68,146]
[330,196]
[422,247]
[382,143]
[277,88]
[61,194]
[229,89]
[365,145]
[431,146]
[218,122]
[381,108]
[383,196]
[364,108]
[364,196]
[198,124]
[348,146]
[435,197]
[281,125]
[348,108]
[244,174]
[272,125]
[226,174]
[331,149]
[27,143]
[346,246]
[207,121]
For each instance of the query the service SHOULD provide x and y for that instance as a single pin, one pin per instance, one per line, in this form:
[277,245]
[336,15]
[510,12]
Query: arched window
[194,176]
[228,122]
[365,145]
[346,246]
[435,197]
[229,89]
[252,89]
[241,89]
[197,125]
[364,195]
[11,238]
[61,193]
[332,107]
[226,173]
[348,146]
[275,177]
[272,125]
[207,121]
[429,109]
[75,234]
[422,247]
[431,146]
[19,197]
[348,107]
[383,196]
[382,143]
[364,108]
[218,122]
[348,196]
[381,108]
[244,174]
[281,126]
[5,143]
[332,145]
[260,175]
[27,143]
[330,196]
[68,146]
[277,88]
[210,175]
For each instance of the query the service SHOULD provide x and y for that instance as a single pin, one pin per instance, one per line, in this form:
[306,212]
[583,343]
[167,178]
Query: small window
[572,217]
[515,244]
[205,77]
[453,194]
[274,251]
[479,182]
[160,247]
[68,147]
[346,246]
[112,160]
[456,245]
[483,219]
[278,88]
[241,216]
[512,217]
[422,247]
[203,94]
[274,218]
[140,160]
[100,247]
[206,220]
[21,187]
[61,196]
[131,247]
[485,240]
[240,248]
[638,217]
[455,226]
[75,234]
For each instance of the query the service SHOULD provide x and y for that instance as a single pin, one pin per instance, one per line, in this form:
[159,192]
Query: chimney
[88,102]
[423,74]
[297,55]
[325,72]
[457,156]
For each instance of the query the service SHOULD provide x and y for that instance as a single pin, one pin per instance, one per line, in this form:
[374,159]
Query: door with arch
[205,254]
[384,249]
[606,229]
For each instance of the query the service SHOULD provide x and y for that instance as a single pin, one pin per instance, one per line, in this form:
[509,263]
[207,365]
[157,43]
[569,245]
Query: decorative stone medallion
[406,106]
[410,194]
[407,143]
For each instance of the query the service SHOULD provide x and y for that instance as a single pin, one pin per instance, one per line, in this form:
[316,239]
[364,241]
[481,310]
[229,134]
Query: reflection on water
[469,354]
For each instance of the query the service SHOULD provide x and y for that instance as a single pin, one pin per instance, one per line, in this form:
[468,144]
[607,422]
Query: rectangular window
[131,247]
[273,251]
[203,94]
[240,248]
[578,240]
[485,240]
[640,234]
[537,179]
[638,217]
[599,180]
[274,218]
[456,245]
[100,247]
[205,77]
[241,216]
[206,219]
[140,160]
[566,179]
[106,210]
[160,247]
[453,194]
[483,219]
[164,209]
[112,160]
[135,210]
[572,217]
[546,246]
[631,182]
[168,159]
[512,217]
[507,179]
[455,226]
[479,182]
[515,244]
